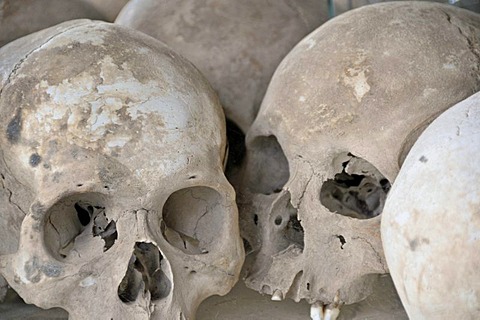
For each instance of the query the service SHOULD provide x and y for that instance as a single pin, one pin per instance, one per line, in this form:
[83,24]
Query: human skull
[119,142]
[431,223]
[236,44]
[340,114]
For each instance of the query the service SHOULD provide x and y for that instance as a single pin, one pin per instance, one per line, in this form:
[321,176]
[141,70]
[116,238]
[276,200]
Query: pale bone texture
[339,116]
[21,17]
[111,153]
[236,44]
[431,220]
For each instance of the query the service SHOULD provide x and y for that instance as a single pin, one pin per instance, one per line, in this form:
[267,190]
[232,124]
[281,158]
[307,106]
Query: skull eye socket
[358,191]
[76,215]
[268,166]
[190,215]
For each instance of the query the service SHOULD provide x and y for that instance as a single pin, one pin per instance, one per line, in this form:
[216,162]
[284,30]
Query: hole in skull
[342,241]
[358,191]
[107,230]
[385,185]
[69,219]
[84,213]
[267,166]
[236,148]
[294,231]
[146,270]
[255,219]
[291,230]
[190,215]
[278,220]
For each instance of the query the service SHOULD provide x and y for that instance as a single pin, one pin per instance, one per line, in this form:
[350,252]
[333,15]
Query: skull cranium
[119,142]
[339,116]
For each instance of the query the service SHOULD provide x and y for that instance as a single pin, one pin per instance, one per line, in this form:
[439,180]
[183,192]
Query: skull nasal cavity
[358,191]
[267,166]
[288,228]
[146,269]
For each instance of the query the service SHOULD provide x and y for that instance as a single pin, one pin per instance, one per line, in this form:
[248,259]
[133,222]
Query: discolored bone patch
[35,160]
[14,128]
[34,268]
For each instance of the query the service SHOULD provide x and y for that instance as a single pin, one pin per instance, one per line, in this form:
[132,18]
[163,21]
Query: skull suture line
[21,17]
[339,116]
[120,142]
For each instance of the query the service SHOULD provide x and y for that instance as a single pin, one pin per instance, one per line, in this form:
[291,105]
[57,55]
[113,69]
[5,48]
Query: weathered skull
[431,220]
[236,44]
[341,112]
[119,142]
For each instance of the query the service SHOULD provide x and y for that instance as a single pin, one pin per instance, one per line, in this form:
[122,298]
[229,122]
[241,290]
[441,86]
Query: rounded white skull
[339,116]
[431,223]
[119,142]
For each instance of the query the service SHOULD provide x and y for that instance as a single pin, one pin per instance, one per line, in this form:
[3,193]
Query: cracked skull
[112,151]
[341,112]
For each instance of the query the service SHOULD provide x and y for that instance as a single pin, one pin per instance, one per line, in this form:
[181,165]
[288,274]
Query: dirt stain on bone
[14,128]
[34,268]
[415,243]
[35,160]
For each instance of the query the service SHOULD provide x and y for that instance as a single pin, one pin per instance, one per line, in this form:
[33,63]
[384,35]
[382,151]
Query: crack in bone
[19,64]
[304,191]
[10,194]
[7,169]
[300,199]
[470,42]
[377,255]
[203,214]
